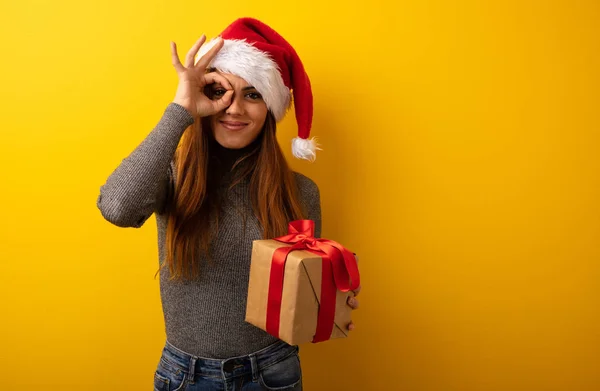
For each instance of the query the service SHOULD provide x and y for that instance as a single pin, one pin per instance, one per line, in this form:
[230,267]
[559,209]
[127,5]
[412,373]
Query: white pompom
[305,148]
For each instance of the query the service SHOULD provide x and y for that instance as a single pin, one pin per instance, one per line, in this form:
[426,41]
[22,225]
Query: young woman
[216,179]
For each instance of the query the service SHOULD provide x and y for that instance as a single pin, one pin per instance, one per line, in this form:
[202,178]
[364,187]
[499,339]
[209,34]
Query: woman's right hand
[193,78]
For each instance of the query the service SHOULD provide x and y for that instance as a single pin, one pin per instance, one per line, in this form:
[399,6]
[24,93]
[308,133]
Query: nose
[236,107]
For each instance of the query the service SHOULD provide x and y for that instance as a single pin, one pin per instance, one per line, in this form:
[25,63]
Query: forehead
[236,81]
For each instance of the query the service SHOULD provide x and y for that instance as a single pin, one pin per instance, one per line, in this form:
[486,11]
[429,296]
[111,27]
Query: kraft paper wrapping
[301,294]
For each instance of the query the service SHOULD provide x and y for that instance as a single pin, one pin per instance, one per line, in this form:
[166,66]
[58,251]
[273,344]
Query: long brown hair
[273,194]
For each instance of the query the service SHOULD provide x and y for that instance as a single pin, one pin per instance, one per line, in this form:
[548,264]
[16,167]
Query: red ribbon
[339,268]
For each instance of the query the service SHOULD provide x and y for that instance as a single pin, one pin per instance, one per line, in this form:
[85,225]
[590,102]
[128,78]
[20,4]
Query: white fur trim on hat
[240,58]
[305,148]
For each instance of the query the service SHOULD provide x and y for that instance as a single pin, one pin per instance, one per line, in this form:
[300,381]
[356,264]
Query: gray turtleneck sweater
[204,317]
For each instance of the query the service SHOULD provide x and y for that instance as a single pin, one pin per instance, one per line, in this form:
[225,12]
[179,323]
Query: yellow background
[461,159]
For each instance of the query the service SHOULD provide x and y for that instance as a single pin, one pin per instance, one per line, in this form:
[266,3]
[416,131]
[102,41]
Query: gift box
[299,286]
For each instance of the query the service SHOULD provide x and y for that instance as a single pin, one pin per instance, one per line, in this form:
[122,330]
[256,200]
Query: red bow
[339,268]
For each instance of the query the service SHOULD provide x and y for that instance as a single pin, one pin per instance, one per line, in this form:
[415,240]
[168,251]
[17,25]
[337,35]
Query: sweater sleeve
[310,196]
[138,186]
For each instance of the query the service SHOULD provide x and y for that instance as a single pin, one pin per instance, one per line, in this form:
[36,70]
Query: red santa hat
[258,54]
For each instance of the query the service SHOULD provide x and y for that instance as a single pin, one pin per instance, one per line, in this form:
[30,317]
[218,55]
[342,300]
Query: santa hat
[258,54]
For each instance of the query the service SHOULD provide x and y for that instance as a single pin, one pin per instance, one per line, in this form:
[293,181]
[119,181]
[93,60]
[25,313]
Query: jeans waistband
[229,367]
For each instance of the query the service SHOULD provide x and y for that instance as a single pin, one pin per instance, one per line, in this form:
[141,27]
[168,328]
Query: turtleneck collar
[224,158]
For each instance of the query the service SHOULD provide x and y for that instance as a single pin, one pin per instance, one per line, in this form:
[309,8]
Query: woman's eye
[219,92]
[254,95]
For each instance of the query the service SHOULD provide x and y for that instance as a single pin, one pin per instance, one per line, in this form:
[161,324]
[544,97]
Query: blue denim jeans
[276,367]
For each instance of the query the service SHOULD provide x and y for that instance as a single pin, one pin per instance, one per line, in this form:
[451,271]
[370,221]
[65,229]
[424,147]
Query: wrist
[186,105]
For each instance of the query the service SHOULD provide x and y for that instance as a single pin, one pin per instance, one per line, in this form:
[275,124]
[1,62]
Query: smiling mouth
[233,125]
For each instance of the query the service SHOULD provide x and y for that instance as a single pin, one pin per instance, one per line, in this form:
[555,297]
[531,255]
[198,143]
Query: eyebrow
[243,89]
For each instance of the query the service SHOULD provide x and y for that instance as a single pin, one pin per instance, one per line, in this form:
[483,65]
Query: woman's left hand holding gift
[353,303]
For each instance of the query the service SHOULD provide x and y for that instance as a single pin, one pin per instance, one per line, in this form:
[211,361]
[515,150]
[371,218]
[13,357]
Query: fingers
[353,303]
[212,52]
[191,54]
[175,58]
[224,102]
[214,77]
